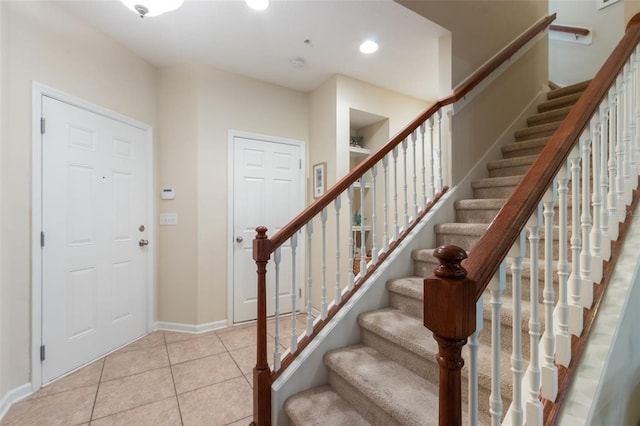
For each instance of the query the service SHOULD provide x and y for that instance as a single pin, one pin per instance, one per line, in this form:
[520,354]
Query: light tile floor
[164,378]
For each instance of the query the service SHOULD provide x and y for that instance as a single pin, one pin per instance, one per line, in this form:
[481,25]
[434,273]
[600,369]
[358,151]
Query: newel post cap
[449,296]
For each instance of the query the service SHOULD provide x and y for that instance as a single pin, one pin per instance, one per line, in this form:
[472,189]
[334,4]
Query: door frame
[38,92]
[230,242]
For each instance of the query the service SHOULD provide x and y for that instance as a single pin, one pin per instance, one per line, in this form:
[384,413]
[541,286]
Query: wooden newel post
[450,312]
[262,372]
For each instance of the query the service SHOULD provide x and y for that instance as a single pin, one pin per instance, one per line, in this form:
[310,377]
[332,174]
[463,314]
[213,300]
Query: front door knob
[143,243]
[239,239]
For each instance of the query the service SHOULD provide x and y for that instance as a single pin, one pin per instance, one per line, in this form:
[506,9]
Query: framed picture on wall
[605,3]
[319,179]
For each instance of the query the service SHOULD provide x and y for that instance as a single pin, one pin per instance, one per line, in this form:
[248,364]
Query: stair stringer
[308,369]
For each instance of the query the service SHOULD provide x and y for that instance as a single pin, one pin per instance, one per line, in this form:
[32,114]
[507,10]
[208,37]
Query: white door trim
[230,173]
[38,91]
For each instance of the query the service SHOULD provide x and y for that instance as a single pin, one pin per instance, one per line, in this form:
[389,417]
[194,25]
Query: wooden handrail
[486,256]
[570,30]
[469,84]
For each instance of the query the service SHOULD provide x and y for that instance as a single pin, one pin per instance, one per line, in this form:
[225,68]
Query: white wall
[572,62]
[41,42]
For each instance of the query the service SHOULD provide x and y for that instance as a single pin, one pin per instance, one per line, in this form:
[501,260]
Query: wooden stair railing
[264,247]
[489,253]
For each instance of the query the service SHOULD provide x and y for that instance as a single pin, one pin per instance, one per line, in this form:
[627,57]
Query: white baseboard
[190,328]
[14,396]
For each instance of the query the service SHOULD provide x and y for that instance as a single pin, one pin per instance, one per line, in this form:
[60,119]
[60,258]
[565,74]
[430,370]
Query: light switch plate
[170,219]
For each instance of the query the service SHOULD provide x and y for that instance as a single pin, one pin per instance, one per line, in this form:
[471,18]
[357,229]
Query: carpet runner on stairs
[391,378]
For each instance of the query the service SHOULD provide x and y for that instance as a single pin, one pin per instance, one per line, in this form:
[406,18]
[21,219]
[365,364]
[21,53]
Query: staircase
[391,377]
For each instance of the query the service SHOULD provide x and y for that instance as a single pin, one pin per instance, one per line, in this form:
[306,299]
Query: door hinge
[41,239]
[42,353]
[42,126]
[300,164]
[299,293]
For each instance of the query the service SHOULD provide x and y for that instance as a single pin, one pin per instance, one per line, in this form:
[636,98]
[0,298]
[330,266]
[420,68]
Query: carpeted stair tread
[549,116]
[407,286]
[322,406]
[481,203]
[524,148]
[471,229]
[536,132]
[568,90]
[559,102]
[404,396]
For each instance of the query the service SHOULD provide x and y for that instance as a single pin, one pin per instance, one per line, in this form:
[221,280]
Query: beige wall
[572,62]
[198,106]
[631,7]
[495,22]
[40,42]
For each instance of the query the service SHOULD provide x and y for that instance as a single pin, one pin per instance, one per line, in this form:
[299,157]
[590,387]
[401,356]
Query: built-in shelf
[361,152]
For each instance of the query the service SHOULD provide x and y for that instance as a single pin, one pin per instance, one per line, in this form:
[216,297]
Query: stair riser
[494,192]
[464,241]
[409,305]
[510,171]
[568,90]
[476,215]
[506,335]
[546,118]
[526,291]
[522,152]
[558,103]
[534,135]
[369,410]
[424,269]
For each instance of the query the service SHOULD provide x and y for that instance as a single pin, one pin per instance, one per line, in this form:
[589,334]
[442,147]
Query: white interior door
[94,206]
[268,190]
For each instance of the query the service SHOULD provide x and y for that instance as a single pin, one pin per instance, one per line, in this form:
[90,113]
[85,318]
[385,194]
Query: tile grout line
[173,380]
[95,398]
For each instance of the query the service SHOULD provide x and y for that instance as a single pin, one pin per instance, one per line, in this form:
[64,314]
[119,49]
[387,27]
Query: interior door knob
[143,243]
[239,239]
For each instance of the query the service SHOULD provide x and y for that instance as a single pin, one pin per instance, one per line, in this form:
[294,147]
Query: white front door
[268,190]
[94,207]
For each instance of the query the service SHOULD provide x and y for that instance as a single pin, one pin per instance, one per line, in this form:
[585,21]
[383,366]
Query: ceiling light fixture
[257,4]
[368,47]
[152,7]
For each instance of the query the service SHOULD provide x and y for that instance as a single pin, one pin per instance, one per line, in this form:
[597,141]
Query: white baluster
[277,257]
[474,346]
[496,287]
[385,207]
[414,138]
[620,184]
[612,200]
[374,222]
[628,87]
[405,186]
[549,370]
[575,283]
[424,167]
[604,181]
[534,406]
[309,228]
[431,154]
[438,153]
[586,292]
[294,294]
[337,206]
[396,227]
[517,253]
[351,240]
[363,239]
[324,307]
[596,202]
[633,108]
[563,338]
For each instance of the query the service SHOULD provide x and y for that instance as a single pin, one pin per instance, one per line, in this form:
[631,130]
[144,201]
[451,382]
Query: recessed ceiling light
[368,47]
[257,4]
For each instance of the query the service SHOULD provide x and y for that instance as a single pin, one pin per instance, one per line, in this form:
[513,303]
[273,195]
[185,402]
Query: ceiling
[227,35]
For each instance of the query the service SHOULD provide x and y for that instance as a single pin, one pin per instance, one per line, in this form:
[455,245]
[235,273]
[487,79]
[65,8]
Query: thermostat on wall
[168,194]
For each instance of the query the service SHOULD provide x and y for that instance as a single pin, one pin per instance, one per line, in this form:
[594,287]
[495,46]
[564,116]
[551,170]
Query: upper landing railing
[585,176]
[390,191]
